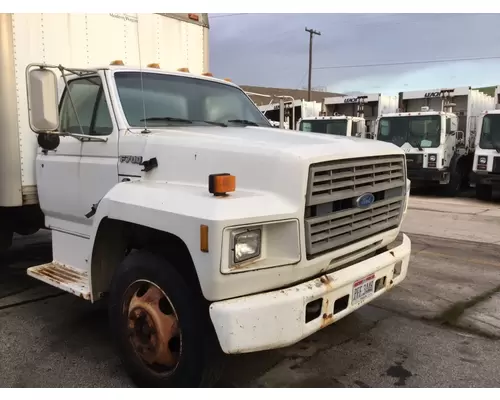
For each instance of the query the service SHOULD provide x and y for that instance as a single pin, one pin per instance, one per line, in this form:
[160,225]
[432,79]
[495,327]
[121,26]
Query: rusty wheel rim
[153,327]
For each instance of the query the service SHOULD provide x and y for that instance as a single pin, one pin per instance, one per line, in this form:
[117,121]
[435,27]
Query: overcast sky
[272,50]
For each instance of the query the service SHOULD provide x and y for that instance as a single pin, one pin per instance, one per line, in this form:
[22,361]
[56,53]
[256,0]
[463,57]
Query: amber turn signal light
[204,238]
[221,184]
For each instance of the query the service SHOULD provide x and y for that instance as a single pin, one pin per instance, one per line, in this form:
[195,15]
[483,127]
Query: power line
[409,62]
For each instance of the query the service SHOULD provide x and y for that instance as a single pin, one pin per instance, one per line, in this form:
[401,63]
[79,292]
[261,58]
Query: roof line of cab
[118,65]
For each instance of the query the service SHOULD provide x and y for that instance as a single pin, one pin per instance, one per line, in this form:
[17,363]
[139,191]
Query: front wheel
[484,192]
[453,187]
[159,326]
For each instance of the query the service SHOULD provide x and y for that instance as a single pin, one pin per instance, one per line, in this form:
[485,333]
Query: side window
[486,133]
[91,108]
[384,127]
[305,126]
[448,126]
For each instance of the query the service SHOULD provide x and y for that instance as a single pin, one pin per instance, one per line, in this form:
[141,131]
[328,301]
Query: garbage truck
[485,174]
[350,115]
[436,128]
[169,195]
[289,111]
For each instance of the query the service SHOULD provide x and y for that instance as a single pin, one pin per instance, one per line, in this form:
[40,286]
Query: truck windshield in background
[330,127]
[490,132]
[166,100]
[418,131]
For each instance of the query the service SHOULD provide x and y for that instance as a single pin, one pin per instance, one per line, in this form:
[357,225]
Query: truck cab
[428,138]
[364,108]
[486,168]
[334,125]
[436,128]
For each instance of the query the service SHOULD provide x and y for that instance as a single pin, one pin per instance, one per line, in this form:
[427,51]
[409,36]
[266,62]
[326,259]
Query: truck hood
[262,159]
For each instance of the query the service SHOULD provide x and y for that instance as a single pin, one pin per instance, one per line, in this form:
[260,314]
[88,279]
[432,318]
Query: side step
[61,276]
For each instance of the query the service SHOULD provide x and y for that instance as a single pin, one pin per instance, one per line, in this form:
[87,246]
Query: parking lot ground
[437,329]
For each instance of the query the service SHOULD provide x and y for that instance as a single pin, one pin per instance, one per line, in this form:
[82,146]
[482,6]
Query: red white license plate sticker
[363,288]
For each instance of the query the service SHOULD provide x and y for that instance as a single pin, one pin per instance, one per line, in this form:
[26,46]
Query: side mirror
[460,137]
[42,100]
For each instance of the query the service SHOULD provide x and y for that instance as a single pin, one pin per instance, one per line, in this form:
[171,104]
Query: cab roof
[124,68]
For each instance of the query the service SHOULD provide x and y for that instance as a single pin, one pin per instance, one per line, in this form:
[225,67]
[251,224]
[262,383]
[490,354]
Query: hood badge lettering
[147,164]
[131,159]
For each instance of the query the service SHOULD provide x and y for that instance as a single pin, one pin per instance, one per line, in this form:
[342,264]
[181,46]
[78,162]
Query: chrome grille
[332,218]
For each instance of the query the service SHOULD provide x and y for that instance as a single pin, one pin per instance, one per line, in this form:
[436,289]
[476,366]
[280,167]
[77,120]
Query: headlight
[432,157]
[482,160]
[247,245]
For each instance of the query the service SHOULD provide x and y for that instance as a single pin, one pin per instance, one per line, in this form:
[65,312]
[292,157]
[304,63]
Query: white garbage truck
[169,194]
[486,169]
[289,112]
[436,128]
[350,115]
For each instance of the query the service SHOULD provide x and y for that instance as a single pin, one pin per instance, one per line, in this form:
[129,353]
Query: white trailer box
[172,40]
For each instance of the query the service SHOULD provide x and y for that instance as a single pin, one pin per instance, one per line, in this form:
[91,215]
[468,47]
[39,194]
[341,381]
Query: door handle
[126,180]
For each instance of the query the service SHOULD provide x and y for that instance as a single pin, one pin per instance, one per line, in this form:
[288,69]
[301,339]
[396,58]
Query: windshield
[328,126]
[166,100]
[490,132]
[419,130]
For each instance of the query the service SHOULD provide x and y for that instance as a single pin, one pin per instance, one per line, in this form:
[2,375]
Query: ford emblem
[365,200]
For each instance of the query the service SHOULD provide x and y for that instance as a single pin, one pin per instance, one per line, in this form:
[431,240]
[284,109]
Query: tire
[27,231]
[484,192]
[5,239]
[180,335]
[453,187]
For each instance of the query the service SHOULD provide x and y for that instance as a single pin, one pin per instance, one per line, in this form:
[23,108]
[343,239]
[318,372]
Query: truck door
[98,165]
[57,174]
[449,140]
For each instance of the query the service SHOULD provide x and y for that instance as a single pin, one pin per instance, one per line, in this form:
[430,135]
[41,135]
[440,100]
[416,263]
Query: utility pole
[311,33]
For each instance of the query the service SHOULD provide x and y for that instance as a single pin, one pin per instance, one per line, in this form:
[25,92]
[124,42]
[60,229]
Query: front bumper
[427,174]
[278,318]
[485,178]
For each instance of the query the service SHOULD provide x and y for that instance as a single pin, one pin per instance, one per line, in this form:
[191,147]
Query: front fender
[180,210]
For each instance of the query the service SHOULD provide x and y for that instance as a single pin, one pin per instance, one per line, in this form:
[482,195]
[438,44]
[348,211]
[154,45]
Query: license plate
[363,289]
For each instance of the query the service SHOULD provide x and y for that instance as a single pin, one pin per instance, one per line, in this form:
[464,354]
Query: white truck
[209,232]
[486,168]
[350,115]
[436,129]
[292,112]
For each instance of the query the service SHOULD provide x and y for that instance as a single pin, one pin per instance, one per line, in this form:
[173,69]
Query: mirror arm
[71,98]
[78,136]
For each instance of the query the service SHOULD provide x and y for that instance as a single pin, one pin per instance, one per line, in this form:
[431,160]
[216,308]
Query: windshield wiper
[187,121]
[243,122]
[173,119]
[418,145]
[216,123]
